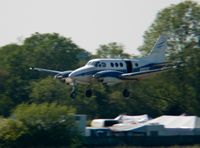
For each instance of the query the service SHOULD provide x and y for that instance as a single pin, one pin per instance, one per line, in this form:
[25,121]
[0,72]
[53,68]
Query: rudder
[157,53]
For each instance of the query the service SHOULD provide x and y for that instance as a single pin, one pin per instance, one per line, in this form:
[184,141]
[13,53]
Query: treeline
[32,104]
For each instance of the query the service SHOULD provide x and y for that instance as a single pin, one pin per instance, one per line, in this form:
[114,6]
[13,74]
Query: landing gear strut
[73,92]
[126,93]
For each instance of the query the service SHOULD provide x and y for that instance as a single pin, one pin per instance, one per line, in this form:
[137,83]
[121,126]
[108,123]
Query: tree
[49,90]
[48,125]
[40,50]
[181,24]
[6,105]
[11,132]
[53,51]
[111,50]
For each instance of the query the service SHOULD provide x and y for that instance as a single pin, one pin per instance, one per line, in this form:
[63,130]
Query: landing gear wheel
[73,95]
[126,93]
[88,93]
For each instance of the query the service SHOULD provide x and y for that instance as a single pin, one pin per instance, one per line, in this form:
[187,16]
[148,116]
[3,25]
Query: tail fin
[157,53]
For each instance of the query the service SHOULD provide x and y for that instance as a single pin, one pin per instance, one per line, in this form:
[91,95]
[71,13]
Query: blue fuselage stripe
[151,66]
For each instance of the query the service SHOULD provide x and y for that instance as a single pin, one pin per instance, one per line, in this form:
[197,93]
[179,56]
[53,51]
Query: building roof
[168,122]
[176,121]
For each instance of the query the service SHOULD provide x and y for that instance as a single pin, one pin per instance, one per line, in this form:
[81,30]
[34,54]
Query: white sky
[88,23]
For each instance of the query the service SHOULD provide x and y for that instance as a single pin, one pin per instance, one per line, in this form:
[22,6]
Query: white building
[163,126]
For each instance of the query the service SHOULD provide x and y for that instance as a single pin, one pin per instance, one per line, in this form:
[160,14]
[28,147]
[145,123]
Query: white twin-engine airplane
[113,71]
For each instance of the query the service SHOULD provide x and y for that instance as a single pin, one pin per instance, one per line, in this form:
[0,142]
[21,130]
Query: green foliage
[111,50]
[48,124]
[180,23]
[40,50]
[53,51]
[177,91]
[49,90]
[11,132]
[6,104]
[36,115]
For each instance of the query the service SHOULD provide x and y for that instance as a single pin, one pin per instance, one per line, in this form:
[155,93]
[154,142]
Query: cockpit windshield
[96,63]
[91,63]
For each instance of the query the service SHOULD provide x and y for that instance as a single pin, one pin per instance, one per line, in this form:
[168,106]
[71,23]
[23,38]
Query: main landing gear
[73,94]
[126,93]
[88,92]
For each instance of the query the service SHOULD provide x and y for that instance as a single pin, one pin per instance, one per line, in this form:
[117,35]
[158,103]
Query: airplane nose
[72,75]
[79,73]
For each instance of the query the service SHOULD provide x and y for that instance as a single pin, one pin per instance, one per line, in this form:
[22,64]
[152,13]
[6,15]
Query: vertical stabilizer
[157,53]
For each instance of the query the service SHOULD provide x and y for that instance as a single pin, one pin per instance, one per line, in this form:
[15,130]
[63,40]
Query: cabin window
[116,64]
[111,64]
[103,64]
[96,64]
[121,64]
[136,64]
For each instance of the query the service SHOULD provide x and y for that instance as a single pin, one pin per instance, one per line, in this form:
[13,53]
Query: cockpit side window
[89,63]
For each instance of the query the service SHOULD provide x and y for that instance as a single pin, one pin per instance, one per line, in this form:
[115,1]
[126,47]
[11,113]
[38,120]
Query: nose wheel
[73,94]
[88,93]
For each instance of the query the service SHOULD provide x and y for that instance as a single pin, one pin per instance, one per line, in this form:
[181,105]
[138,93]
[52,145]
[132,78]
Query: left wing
[141,74]
[57,74]
[45,70]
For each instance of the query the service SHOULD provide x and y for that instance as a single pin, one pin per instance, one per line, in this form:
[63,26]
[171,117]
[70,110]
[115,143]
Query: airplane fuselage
[108,70]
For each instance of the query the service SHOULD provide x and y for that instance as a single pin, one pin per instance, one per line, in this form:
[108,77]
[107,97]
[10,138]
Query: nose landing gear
[88,93]
[73,92]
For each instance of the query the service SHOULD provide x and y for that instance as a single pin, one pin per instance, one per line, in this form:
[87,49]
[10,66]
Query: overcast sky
[88,23]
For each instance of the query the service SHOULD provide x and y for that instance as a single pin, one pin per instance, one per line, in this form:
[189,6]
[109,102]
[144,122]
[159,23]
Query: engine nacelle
[108,77]
[68,81]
